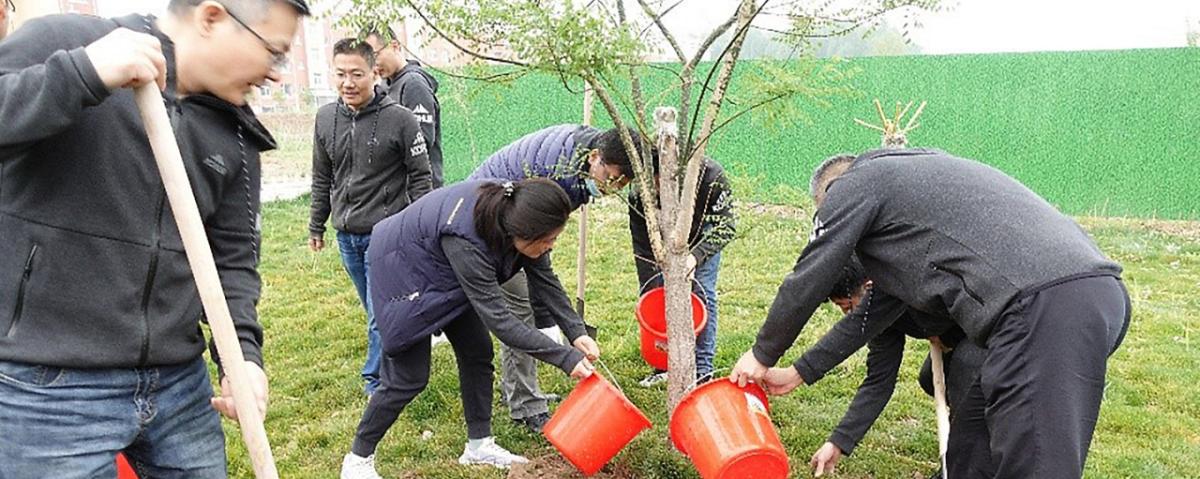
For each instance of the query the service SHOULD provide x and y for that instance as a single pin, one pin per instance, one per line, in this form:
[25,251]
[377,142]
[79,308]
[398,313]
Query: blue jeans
[70,423]
[354,257]
[706,342]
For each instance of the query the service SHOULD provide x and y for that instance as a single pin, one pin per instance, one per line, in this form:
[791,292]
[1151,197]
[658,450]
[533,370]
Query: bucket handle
[611,377]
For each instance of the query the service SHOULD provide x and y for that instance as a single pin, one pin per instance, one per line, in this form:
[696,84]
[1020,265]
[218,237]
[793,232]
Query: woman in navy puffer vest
[438,266]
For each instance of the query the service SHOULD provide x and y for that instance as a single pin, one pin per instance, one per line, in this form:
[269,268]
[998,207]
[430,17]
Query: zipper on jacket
[12,327]
[348,159]
[149,286]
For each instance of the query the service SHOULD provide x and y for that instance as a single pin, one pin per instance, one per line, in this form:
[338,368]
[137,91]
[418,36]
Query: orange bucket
[593,424]
[726,432]
[124,470]
[652,321]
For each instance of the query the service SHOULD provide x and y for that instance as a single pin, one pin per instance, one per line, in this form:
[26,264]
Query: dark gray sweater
[948,237]
[367,164]
[546,295]
[92,267]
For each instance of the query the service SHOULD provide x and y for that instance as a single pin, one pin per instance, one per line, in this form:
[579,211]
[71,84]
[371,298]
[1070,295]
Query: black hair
[854,276]
[382,32]
[249,10]
[529,209]
[824,173]
[354,46]
[612,149]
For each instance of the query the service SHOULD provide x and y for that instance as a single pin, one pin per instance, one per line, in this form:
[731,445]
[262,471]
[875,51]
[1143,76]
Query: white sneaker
[439,339]
[491,454]
[356,467]
[651,380]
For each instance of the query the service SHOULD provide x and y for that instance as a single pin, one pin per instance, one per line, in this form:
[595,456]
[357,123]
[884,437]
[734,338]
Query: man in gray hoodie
[966,245]
[413,88]
[370,161]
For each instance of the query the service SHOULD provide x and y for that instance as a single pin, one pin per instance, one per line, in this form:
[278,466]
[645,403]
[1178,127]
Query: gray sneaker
[491,454]
[655,378]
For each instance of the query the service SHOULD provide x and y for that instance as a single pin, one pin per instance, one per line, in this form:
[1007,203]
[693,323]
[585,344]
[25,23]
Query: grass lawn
[1149,425]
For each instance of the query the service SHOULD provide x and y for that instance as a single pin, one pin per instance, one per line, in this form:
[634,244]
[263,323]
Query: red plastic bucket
[593,424]
[727,433]
[124,470]
[652,321]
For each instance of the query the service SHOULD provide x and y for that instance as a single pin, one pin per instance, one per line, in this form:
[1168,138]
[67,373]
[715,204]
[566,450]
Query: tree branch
[455,43]
[746,14]
[657,18]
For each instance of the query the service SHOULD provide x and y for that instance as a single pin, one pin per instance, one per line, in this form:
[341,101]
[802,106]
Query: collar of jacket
[883,152]
[378,101]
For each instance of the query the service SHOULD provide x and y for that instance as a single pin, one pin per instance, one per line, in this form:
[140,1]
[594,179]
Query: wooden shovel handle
[939,399]
[204,269]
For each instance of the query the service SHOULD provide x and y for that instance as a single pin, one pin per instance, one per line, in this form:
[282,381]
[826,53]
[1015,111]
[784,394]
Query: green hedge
[1110,133]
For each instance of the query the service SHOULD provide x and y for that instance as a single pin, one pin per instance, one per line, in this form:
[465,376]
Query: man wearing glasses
[370,160]
[413,88]
[100,339]
[6,14]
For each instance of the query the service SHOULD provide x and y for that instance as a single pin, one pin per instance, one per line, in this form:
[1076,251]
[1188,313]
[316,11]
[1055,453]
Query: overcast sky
[972,26]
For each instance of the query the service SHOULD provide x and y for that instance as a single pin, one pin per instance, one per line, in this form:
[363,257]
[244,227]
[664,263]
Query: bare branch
[657,18]
[746,13]
[455,43]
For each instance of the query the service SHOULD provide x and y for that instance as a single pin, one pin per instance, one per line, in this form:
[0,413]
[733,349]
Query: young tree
[601,44]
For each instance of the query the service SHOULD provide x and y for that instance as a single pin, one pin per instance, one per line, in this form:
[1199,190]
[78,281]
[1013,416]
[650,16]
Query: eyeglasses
[278,57]
[12,7]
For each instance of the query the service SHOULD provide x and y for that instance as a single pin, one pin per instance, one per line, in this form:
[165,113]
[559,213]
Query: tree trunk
[681,338]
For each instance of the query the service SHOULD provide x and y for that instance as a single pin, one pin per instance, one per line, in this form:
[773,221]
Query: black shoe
[535,422]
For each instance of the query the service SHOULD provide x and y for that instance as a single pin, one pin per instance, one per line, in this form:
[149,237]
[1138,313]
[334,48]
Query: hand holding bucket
[727,433]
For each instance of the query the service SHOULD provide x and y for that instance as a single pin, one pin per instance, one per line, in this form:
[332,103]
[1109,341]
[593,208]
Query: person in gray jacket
[370,161]
[101,345]
[412,87]
[968,245]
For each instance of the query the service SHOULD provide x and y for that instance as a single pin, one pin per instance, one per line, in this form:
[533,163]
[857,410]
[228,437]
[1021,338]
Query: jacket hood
[414,66]
[380,100]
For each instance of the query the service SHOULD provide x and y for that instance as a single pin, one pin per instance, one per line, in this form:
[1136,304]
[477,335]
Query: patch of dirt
[554,465]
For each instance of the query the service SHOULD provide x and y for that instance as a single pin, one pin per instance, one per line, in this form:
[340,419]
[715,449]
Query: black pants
[405,375]
[1032,412]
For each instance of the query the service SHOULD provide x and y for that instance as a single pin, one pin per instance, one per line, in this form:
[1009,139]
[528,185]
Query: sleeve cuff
[843,442]
[762,357]
[98,92]
[807,372]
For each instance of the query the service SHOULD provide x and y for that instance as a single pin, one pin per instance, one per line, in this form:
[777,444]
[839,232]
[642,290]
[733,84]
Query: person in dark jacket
[966,244]
[587,163]
[438,266]
[852,294]
[369,162]
[101,346]
[713,227]
[413,88]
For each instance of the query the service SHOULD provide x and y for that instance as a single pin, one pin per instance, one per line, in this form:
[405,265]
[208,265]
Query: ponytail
[529,209]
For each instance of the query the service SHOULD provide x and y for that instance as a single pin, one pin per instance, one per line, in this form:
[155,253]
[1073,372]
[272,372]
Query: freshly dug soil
[555,466]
